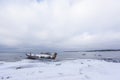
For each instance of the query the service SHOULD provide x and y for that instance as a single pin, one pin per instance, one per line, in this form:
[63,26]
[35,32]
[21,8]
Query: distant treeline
[102,50]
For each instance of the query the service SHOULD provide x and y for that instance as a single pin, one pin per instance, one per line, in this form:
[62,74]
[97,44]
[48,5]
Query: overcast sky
[63,24]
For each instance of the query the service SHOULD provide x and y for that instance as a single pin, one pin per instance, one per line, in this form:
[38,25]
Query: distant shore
[102,50]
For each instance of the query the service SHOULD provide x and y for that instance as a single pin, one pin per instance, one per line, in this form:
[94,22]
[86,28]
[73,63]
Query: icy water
[16,56]
[12,56]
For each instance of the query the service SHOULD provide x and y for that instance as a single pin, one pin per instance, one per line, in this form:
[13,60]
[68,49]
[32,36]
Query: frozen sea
[17,56]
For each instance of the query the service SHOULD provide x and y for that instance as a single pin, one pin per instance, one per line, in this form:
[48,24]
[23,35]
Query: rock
[18,67]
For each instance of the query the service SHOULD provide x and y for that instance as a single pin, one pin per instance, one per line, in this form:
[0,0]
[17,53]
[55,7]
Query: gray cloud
[81,24]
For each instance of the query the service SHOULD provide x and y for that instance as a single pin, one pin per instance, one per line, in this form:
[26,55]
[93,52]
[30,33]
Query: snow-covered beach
[68,39]
[79,69]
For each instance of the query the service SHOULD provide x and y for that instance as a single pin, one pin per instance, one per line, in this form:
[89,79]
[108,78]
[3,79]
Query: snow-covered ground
[80,69]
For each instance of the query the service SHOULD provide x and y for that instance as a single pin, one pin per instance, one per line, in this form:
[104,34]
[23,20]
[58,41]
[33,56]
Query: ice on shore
[81,69]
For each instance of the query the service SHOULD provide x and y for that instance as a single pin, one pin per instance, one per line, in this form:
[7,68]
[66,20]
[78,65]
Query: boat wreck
[42,56]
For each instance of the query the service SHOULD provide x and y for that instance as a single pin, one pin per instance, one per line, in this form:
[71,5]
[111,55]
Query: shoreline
[79,69]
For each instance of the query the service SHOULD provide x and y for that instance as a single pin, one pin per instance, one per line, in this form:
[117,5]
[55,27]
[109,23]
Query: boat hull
[40,56]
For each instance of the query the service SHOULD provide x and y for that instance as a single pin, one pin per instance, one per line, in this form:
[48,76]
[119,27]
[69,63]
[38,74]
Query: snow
[40,55]
[80,69]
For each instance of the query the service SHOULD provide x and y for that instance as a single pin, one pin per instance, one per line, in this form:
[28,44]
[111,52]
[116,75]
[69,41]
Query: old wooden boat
[42,56]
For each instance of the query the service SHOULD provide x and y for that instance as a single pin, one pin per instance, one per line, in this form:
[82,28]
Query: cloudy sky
[63,24]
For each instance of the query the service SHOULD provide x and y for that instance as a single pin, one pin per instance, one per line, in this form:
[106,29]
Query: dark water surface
[16,56]
[12,56]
